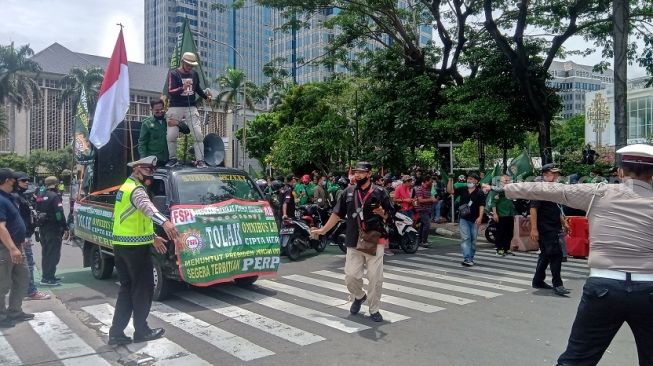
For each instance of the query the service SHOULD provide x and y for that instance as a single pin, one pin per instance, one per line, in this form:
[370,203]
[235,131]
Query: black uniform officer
[53,228]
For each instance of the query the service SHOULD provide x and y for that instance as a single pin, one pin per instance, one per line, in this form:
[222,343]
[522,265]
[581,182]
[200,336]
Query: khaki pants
[14,278]
[191,116]
[355,264]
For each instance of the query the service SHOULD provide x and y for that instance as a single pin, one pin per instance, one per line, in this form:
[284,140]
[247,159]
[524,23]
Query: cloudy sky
[89,26]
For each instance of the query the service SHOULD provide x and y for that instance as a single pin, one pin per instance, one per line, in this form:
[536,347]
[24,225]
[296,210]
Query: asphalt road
[437,313]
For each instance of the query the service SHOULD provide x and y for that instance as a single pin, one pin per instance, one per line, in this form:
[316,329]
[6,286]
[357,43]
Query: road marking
[326,300]
[470,272]
[534,255]
[164,351]
[234,345]
[408,290]
[273,327]
[8,356]
[317,316]
[506,262]
[415,305]
[447,261]
[444,286]
[527,258]
[69,348]
[416,272]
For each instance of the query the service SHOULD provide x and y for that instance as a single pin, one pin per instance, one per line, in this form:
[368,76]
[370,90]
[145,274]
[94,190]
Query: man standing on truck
[133,233]
[183,84]
[152,137]
[54,228]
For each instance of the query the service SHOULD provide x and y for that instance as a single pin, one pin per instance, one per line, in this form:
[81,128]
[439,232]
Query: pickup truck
[227,230]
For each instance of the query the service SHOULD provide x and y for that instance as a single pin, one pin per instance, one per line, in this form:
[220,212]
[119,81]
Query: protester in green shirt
[503,213]
[300,190]
[152,139]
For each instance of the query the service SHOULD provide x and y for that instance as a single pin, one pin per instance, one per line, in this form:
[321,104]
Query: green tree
[15,162]
[79,79]
[313,132]
[568,135]
[3,121]
[18,75]
[261,135]
[231,89]
[51,162]
[557,21]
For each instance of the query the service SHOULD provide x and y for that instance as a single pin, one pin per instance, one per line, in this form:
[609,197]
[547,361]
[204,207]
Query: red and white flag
[113,100]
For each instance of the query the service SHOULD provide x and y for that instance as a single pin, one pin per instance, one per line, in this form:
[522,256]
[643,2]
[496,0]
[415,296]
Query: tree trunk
[544,139]
[620,12]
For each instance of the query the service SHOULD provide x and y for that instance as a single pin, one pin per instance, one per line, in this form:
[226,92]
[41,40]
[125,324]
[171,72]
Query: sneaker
[356,305]
[560,291]
[50,283]
[38,295]
[425,245]
[509,252]
[542,285]
[467,263]
[376,317]
[6,323]
[501,253]
[201,164]
[388,252]
[22,316]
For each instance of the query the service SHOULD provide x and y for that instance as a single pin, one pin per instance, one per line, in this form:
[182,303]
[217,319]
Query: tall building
[49,124]
[574,80]
[300,49]
[220,35]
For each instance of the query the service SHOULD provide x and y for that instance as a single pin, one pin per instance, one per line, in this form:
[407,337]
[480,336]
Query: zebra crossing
[295,310]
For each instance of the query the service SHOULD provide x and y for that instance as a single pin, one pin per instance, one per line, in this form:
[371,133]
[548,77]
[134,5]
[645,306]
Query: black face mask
[361,182]
[159,117]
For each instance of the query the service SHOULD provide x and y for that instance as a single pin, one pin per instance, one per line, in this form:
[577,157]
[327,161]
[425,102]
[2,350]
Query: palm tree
[18,75]
[231,86]
[79,79]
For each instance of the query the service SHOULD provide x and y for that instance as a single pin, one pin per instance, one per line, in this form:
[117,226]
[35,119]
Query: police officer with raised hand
[620,286]
[53,229]
[133,235]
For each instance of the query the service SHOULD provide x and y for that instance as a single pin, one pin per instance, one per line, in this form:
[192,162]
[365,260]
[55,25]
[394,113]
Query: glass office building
[217,33]
[307,45]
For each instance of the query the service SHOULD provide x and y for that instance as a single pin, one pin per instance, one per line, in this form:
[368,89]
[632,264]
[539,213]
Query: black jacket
[25,208]
[50,204]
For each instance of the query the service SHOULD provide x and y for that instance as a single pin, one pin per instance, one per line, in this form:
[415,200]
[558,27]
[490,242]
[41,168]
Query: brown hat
[51,182]
[189,58]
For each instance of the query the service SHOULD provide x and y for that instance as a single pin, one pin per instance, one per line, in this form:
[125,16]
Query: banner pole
[131,140]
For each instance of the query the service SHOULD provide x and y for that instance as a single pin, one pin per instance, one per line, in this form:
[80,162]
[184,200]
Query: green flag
[521,167]
[81,145]
[487,179]
[445,177]
[185,43]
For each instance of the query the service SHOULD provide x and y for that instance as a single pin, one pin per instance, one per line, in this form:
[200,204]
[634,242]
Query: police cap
[148,161]
[637,154]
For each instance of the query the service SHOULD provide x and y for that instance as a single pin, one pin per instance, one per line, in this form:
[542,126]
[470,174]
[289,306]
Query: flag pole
[131,139]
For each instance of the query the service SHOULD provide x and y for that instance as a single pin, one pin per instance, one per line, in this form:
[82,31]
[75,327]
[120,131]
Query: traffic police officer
[133,234]
[620,286]
[53,228]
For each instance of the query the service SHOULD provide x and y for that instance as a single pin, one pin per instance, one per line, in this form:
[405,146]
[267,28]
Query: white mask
[471,185]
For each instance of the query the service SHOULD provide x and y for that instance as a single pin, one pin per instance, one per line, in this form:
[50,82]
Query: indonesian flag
[113,100]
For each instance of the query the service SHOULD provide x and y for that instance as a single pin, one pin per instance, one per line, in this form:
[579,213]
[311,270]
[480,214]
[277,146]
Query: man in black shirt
[54,228]
[183,84]
[471,209]
[546,225]
[366,207]
[287,198]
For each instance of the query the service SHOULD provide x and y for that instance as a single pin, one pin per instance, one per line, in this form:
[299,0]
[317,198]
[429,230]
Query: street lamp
[598,115]
[242,61]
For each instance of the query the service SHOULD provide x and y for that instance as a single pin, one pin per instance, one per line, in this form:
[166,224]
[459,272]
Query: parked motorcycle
[295,233]
[402,234]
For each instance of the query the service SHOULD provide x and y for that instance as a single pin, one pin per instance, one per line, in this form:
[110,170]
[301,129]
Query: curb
[454,234]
